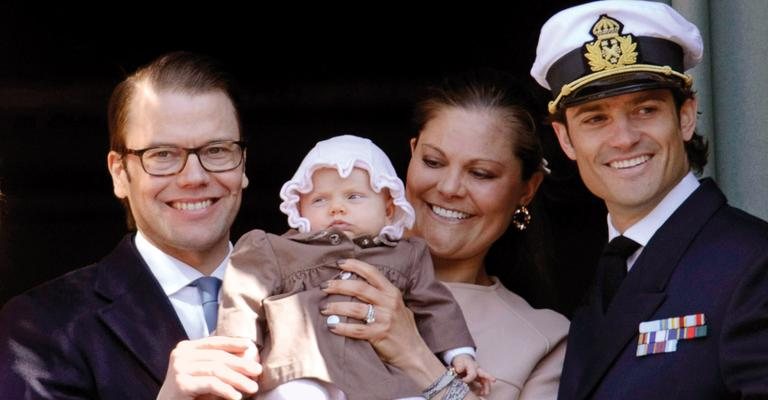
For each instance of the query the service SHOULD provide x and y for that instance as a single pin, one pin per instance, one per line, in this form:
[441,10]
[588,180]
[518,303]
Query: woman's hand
[393,333]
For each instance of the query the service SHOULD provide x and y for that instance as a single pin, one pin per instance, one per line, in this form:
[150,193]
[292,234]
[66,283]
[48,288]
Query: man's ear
[413,144]
[565,141]
[688,113]
[244,183]
[120,178]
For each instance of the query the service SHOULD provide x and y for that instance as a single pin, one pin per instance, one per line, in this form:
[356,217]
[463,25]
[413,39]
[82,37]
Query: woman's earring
[521,218]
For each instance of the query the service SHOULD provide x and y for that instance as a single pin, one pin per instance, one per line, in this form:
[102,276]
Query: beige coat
[521,346]
[271,295]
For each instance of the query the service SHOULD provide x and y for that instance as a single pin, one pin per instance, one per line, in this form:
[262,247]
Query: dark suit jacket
[104,331]
[707,258]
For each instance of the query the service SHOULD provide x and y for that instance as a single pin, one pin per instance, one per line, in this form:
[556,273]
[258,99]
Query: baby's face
[349,205]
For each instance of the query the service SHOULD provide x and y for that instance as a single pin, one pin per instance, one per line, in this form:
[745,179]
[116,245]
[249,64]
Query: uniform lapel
[643,291]
[140,314]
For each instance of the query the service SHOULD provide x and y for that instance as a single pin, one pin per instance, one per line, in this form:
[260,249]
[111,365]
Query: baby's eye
[355,196]
[318,200]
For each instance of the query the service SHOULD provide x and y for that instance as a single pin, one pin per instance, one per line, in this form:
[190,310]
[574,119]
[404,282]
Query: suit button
[335,238]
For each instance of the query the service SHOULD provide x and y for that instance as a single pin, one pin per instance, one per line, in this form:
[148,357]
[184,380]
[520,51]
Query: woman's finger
[355,331]
[349,309]
[367,272]
[356,288]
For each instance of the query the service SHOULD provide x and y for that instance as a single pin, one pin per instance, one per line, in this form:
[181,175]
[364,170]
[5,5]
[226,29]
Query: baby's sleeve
[438,316]
[251,276]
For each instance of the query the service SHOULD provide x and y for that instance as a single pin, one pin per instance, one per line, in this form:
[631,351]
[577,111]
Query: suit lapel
[140,314]
[643,291]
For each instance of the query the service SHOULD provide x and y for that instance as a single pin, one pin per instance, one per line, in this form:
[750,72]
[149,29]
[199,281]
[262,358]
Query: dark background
[306,74]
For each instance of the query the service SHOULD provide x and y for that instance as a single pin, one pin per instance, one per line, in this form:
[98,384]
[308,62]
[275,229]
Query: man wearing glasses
[107,330]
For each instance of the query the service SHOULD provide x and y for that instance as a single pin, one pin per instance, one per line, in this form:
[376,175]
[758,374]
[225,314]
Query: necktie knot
[208,287]
[613,263]
[621,246]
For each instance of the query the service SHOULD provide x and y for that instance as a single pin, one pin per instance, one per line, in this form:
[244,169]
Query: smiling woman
[465,182]
[475,168]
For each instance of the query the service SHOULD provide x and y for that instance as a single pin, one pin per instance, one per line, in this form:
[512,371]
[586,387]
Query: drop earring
[521,218]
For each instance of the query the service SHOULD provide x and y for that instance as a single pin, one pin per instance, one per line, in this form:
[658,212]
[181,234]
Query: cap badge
[609,50]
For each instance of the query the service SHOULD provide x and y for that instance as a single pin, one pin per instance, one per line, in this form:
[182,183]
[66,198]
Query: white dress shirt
[642,231]
[174,277]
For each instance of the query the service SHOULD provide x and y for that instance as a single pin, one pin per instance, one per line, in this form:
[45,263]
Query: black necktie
[613,263]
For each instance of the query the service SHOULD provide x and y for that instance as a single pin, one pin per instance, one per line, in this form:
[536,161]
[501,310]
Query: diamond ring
[370,316]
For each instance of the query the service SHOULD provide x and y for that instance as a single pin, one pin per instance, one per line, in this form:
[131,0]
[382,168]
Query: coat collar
[335,236]
[643,291]
[139,313]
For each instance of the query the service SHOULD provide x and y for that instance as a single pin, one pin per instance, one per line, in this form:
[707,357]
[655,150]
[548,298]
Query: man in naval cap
[679,306]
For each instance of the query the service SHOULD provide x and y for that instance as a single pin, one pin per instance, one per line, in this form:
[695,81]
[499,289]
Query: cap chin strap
[569,88]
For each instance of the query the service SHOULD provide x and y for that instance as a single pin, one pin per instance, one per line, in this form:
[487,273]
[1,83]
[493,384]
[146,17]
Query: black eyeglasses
[218,156]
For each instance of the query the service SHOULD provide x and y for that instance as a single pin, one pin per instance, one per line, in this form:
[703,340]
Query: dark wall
[305,75]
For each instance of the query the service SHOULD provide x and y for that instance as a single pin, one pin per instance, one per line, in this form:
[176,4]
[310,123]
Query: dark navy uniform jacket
[706,258]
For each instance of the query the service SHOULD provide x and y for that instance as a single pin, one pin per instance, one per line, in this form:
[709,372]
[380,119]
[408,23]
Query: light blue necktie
[208,286]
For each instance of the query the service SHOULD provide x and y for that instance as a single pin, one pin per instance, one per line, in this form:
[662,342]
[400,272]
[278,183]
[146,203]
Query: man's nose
[193,172]
[625,133]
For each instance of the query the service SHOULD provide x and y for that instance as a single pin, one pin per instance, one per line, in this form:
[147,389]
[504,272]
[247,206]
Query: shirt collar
[642,231]
[172,274]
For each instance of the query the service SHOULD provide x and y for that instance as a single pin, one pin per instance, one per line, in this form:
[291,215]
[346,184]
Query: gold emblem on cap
[610,49]
[612,54]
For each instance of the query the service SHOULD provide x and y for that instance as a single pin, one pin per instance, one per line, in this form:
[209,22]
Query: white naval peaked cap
[611,47]
[344,153]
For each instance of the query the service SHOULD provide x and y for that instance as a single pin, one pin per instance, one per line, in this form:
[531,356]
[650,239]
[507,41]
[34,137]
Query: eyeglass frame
[187,151]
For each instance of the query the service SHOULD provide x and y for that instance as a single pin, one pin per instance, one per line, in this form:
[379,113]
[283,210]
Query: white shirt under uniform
[642,231]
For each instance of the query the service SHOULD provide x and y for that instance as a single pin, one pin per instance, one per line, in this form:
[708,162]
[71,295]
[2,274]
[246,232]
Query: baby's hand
[470,372]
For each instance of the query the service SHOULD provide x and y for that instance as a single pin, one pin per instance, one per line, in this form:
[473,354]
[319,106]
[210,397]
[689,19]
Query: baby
[345,201]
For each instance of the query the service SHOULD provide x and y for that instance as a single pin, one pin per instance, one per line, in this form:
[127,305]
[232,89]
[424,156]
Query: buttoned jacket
[271,294]
[707,258]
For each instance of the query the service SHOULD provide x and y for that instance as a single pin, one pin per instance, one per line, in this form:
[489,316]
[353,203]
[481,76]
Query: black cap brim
[628,82]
